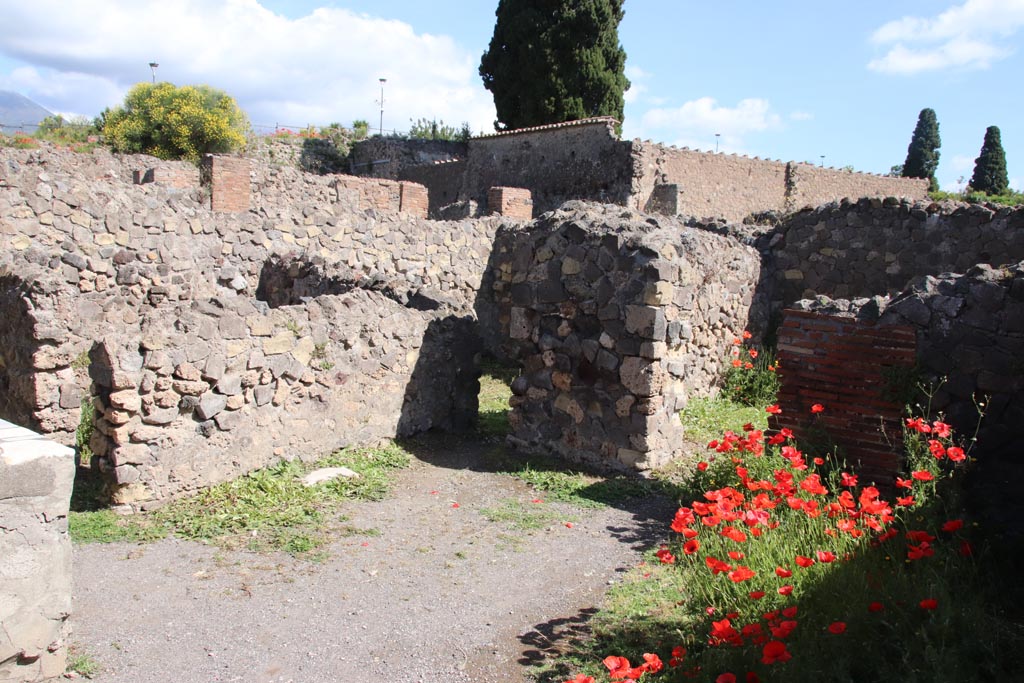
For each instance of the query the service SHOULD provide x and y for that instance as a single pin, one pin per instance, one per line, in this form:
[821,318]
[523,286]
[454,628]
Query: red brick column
[230,185]
[846,366]
[414,199]
[514,202]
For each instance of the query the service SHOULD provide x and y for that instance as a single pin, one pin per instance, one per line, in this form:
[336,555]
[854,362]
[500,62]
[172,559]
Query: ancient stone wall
[216,388]
[575,160]
[616,318]
[85,253]
[35,555]
[386,157]
[443,181]
[872,246]
[733,187]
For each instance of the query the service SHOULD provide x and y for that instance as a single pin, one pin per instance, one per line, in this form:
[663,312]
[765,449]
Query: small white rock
[326,474]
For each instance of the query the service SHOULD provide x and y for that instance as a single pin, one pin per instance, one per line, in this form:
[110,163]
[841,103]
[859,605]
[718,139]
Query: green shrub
[169,122]
[750,378]
[62,131]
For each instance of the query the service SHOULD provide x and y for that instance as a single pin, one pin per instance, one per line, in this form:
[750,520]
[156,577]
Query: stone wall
[586,160]
[219,387]
[575,160]
[733,187]
[849,367]
[513,202]
[387,157]
[35,555]
[85,254]
[868,247]
[616,318]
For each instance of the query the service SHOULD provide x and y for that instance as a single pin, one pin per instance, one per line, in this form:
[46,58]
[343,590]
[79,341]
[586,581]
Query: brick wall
[229,183]
[413,199]
[514,202]
[843,364]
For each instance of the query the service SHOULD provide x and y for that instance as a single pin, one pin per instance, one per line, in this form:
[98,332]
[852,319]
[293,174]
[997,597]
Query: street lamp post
[382,82]
[823,161]
[153,66]
[717,136]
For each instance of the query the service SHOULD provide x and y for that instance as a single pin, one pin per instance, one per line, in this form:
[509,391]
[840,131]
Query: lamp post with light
[382,82]
[153,66]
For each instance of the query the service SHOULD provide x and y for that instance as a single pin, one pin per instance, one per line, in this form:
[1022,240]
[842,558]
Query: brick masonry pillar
[229,183]
[414,199]
[848,366]
[514,202]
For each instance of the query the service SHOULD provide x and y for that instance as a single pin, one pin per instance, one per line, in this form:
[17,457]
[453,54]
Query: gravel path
[440,595]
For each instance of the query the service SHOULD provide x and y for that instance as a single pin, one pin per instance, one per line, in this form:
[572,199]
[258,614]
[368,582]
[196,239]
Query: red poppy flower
[785,590]
[804,562]
[581,678]
[736,362]
[752,678]
[753,353]
[846,479]
[702,466]
[741,574]
[748,365]
[876,607]
[665,555]
[652,663]
[735,555]
[726,678]
[756,595]
[930,603]
[746,334]
[617,666]
[904,483]
[773,409]
[819,461]
[837,627]
[955,453]
[455,505]
[817,408]
[783,573]
[775,651]
[922,475]
[734,534]
[905,501]
[825,556]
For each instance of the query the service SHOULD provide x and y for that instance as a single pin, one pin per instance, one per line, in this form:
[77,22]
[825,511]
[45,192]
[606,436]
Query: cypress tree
[555,60]
[923,151]
[990,166]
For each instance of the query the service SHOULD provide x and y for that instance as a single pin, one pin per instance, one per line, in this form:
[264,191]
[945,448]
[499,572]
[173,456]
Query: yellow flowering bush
[172,122]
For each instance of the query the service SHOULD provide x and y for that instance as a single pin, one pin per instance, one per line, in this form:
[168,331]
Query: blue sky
[787,79]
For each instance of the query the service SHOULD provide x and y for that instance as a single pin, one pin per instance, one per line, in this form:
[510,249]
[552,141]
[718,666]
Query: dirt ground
[438,594]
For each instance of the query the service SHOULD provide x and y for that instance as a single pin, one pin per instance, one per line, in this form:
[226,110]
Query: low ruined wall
[35,555]
[84,250]
[872,246]
[616,319]
[225,386]
[443,181]
[813,185]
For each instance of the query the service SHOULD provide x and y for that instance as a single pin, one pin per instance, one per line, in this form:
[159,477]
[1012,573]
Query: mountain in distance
[19,113]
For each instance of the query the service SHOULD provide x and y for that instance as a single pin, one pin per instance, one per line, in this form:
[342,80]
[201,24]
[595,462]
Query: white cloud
[968,36]
[319,68]
[637,86]
[696,123]
[801,116]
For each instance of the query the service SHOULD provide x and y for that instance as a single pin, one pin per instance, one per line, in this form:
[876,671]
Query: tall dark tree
[990,166]
[923,152]
[555,60]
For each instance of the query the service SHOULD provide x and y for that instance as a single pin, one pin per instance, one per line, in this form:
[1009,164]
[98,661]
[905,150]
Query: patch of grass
[81,662]
[582,489]
[492,417]
[524,516]
[705,419]
[270,509]
[106,526]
